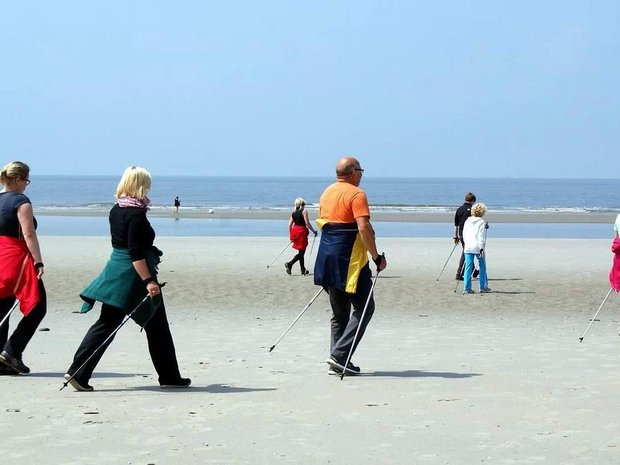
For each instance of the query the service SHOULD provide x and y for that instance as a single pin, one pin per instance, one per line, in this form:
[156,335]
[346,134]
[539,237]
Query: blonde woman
[298,226]
[474,236]
[22,267]
[129,276]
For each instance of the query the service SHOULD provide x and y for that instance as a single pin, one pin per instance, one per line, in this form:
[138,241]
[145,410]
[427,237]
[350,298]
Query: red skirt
[18,277]
[299,236]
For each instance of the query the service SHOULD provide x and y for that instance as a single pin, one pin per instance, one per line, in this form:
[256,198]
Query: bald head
[345,166]
[348,169]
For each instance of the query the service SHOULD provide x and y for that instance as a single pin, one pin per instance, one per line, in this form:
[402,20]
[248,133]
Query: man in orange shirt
[341,265]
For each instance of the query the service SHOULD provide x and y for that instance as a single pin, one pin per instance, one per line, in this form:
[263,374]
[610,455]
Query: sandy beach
[448,379]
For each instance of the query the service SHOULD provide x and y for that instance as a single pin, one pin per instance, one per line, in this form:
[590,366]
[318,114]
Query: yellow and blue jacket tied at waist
[341,256]
[120,286]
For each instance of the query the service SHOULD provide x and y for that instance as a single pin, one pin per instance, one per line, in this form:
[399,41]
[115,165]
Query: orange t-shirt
[342,202]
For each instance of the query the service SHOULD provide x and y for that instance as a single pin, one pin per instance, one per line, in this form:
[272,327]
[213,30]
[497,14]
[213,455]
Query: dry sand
[448,379]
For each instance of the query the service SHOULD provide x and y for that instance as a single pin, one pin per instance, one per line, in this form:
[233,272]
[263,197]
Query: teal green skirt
[120,286]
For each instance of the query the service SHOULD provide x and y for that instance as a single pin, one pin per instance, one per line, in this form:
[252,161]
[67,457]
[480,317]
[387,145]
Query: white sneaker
[76,385]
[337,366]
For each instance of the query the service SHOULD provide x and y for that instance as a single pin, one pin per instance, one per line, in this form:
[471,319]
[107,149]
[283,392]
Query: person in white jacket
[474,236]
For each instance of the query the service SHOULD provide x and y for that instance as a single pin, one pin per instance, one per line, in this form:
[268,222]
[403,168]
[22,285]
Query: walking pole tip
[581,339]
[272,347]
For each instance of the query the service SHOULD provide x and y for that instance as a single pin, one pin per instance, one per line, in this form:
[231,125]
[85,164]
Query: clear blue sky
[412,88]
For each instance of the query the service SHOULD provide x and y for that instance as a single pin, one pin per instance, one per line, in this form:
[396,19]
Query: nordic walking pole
[311,247]
[295,320]
[7,316]
[64,385]
[596,314]
[446,264]
[278,256]
[359,326]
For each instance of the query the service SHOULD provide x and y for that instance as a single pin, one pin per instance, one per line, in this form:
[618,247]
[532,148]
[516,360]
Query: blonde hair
[300,203]
[14,171]
[136,182]
[478,209]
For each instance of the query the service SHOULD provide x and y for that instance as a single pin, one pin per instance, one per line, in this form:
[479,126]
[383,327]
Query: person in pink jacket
[614,274]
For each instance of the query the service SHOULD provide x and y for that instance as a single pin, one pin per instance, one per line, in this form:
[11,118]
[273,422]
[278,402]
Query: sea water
[509,195]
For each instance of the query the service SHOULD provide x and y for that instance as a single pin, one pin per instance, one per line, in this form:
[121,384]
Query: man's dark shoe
[13,362]
[6,370]
[77,385]
[288,267]
[177,383]
[338,367]
[459,277]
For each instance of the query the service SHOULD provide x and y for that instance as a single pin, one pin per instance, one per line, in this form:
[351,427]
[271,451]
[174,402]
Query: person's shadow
[154,387]
[212,388]
[420,374]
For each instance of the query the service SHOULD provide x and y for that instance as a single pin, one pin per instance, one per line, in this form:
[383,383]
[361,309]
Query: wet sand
[391,216]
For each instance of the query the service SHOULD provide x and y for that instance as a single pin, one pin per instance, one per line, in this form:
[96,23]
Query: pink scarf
[125,202]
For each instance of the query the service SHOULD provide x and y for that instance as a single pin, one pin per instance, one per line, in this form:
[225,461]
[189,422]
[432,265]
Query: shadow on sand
[421,374]
[213,389]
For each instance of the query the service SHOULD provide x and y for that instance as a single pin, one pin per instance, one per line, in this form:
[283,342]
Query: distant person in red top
[22,267]
[298,227]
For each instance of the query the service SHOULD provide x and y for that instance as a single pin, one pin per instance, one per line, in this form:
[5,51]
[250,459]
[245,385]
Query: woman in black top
[129,276]
[21,270]
[298,226]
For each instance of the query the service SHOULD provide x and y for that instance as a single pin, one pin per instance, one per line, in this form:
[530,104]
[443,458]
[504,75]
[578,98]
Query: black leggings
[25,329]
[161,346]
[299,257]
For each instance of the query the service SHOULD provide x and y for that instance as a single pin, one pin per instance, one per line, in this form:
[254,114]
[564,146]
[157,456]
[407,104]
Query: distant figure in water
[177,204]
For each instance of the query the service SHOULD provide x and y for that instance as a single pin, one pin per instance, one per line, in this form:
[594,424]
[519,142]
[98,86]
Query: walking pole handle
[156,307]
[378,260]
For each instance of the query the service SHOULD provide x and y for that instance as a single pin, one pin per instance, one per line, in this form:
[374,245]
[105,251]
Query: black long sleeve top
[130,229]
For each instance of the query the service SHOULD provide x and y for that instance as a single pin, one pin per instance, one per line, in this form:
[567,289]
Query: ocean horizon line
[327,176]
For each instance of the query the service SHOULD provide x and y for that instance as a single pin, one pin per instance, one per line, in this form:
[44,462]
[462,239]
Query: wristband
[38,265]
[150,279]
